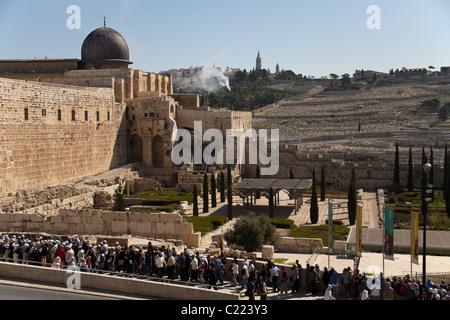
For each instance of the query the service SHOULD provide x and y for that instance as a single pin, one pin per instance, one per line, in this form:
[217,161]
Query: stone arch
[158,151]
[136,149]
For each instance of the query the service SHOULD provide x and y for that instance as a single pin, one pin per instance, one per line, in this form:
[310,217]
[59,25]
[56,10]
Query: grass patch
[340,232]
[163,198]
[404,202]
[206,224]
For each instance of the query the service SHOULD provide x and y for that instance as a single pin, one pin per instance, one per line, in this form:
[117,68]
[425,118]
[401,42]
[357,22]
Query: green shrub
[206,224]
[283,223]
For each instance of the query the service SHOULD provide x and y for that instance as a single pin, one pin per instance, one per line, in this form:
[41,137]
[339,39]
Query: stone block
[169,228]
[184,228]
[36,218]
[192,239]
[33,226]
[56,219]
[268,251]
[159,227]
[18,217]
[144,228]
[94,228]
[5,217]
[119,227]
[133,227]
[60,227]
[135,217]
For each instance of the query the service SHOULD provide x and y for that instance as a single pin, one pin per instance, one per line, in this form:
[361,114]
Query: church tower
[258,62]
[277,69]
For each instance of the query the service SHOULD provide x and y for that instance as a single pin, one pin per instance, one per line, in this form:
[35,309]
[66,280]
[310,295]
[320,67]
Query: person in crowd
[329,293]
[235,272]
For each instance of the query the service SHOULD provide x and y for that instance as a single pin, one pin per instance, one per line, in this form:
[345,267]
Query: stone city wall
[44,151]
[101,222]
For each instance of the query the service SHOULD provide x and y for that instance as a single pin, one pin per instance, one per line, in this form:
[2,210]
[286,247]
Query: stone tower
[277,69]
[258,62]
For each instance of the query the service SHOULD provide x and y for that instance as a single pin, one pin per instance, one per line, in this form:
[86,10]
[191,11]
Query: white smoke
[211,79]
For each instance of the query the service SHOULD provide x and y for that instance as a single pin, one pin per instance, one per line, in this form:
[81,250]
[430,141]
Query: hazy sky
[309,37]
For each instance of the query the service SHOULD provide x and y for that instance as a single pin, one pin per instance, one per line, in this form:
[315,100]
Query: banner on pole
[359,231]
[415,237]
[330,228]
[389,234]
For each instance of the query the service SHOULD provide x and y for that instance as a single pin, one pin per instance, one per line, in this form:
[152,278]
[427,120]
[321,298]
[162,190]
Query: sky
[312,38]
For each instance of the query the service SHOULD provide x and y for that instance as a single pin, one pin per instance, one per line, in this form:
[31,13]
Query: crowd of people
[253,278]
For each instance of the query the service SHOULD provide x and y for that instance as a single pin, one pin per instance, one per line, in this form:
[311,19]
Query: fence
[436,278]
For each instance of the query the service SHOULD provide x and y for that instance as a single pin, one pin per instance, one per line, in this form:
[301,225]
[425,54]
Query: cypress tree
[213,191]
[229,196]
[195,201]
[205,193]
[222,187]
[397,166]
[322,184]
[271,204]
[314,209]
[410,172]
[258,175]
[352,199]
[119,201]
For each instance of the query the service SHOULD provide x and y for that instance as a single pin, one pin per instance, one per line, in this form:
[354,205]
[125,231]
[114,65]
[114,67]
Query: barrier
[104,282]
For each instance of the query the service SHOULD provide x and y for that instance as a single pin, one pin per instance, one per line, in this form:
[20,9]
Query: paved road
[14,289]
[8,292]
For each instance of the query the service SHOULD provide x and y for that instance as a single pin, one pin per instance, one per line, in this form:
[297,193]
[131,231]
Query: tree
[213,191]
[258,175]
[443,112]
[352,199]
[229,195]
[252,232]
[271,205]
[314,209]
[334,76]
[205,194]
[410,172]
[222,187]
[346,80]
[323,184]
[195,201]
[119,201]
[397,166]
[432,104]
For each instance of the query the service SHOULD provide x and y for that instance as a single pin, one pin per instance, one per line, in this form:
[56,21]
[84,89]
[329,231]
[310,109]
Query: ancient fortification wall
[41,145]
[107,223]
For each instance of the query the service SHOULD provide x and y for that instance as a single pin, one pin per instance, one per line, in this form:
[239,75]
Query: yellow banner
[359,231]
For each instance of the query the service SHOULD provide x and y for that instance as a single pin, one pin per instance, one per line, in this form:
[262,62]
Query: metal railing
[314,255]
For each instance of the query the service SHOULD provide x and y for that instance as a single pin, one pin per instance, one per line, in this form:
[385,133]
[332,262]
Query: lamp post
[426,169]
